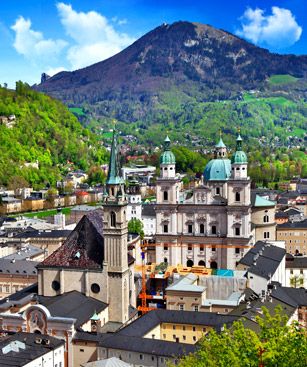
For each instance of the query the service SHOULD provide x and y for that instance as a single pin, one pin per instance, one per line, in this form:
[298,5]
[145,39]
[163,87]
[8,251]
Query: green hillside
[45,132]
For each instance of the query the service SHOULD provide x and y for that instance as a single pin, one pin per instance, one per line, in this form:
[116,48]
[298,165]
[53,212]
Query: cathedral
[210,225]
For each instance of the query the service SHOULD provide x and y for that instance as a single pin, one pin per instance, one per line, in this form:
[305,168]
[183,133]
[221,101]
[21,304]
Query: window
[183,328]
[174,327]
[95,288]
[237,231]
[141,356]
[165,228]
[301,271]
[267,235]
[213,248]
[174,336]
[194,328]
[194,338]
[190,228]
[238,196]
[196,308]
[184,337]
[165,195]
[237,250]
[266,219]
[164,336]
[217,191]
[81,350]
[181,307]
[201,228]
[189,248]
[113,219]
[201,248]
[153,336]
[55,285]
[165,248]
[204,329]
[213,229]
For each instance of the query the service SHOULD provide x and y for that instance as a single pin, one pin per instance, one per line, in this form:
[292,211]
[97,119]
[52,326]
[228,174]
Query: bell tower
[115,228]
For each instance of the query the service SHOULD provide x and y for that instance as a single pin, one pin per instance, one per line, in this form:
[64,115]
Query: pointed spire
[239,140]
[167,143]
[114,174]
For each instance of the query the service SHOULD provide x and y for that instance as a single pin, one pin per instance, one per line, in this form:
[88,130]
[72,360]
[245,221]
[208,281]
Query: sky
[50,36]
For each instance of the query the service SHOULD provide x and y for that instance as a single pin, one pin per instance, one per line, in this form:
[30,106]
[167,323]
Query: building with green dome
[211,225]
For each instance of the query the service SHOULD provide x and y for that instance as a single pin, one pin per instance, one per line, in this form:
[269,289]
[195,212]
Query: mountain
[191,80]
[38,130]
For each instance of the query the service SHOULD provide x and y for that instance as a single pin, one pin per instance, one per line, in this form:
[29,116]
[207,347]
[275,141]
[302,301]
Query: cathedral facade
[211,224]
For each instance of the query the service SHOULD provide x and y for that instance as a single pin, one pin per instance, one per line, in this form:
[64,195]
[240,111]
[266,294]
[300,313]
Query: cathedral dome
[217,170]
[239,157]
[168,157]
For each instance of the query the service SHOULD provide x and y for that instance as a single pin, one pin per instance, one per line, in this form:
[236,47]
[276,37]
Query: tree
[17,182]
[136,226]
[276,344]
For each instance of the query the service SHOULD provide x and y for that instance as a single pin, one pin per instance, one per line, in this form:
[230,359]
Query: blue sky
[48,36]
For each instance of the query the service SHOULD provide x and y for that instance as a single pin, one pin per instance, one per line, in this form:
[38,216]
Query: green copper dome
[167,156]
[217,170]
[239,157]
[220,144]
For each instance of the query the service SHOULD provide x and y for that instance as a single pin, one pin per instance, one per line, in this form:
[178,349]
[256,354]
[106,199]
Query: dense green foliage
[276,344]
[44,132]
[136,226]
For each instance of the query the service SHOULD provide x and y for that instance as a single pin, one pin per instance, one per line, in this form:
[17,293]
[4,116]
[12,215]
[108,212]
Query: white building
[211,226]
[296,271]
[264,263]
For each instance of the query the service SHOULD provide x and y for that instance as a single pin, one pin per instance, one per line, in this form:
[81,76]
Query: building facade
[211,226]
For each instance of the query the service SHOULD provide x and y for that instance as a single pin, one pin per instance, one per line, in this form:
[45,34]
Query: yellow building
[295,236]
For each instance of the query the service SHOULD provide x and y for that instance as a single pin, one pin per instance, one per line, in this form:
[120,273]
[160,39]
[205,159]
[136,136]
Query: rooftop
[295,225]
[187,283]
[73,305]
[22,348]
[84,247]
[24,253]
[263,259]
[18,267]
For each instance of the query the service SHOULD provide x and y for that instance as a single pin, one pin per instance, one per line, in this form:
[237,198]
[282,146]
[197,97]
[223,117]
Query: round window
[95,288]
[55,285]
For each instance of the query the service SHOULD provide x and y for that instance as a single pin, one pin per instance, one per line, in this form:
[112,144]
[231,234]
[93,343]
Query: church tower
[115,228]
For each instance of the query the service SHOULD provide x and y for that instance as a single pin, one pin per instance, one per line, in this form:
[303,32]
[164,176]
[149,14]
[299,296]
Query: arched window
[266,219]
[201,228]
[238,196]
[113,219]
[165,195]
[190,263]
[213,265]
[201,263]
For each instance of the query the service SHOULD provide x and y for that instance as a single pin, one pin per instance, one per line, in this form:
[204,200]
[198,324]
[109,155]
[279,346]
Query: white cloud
[53,71]
[33,45]
[95,38]
[278,30]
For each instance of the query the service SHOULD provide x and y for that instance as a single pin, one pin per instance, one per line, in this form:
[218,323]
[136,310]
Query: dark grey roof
[147,322]
[20,297]
[248,311]
[33,348]
[148,210]
[300,225]
[281,215]
[283,201]
[44,234]
[290,194]
[295,297]
[296,262]
[263,259]
[24,253]
[18,267]
[146,345]
[73,305]
[293,211]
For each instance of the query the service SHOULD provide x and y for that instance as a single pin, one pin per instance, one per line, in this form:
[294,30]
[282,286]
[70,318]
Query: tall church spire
[115,190]
[114,174]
